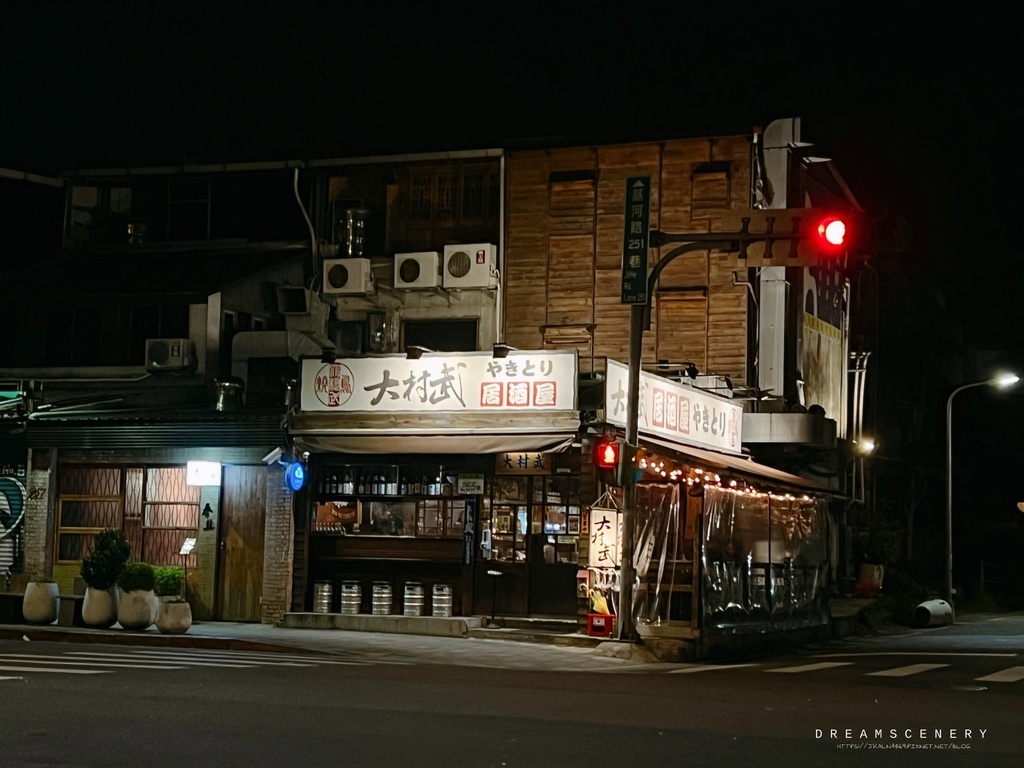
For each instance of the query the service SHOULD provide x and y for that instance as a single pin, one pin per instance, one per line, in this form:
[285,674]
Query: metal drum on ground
[351,597]
[442,601]
[381,598]
[323,593]
[413,603]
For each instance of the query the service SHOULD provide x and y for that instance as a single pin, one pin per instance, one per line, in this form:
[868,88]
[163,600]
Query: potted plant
[136,607]
[174,615]
[39,606]
[101,569]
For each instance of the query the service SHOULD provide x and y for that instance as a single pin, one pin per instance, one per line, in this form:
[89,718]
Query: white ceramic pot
[173,618]
[137,609]
[40,602]
[99,608]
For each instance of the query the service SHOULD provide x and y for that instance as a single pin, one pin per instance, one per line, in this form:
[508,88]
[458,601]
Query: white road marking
[812,667]
[911,669]
[12,678]
[906,653]
[38,659]
[187,662]
[246,657]
[708,668]
[56,670]
[1011,675]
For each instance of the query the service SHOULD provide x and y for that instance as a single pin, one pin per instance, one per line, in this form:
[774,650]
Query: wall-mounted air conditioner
[351,277]
[473,265]
[169,355]
[417,270]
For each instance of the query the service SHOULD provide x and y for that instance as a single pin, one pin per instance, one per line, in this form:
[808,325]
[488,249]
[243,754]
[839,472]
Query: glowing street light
[1001,382]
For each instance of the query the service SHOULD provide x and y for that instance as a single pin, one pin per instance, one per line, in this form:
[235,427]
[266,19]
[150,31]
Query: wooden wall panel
[571,280]
[683,329]
[554,223]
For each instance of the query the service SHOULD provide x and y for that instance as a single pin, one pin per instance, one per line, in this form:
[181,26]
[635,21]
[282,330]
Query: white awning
[739,464]
[402,433]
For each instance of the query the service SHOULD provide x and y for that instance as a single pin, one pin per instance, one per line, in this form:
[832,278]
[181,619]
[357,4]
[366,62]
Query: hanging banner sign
[439,382]
[605,537]
[678,413]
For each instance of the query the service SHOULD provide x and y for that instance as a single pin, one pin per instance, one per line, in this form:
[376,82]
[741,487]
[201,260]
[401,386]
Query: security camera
[273,456]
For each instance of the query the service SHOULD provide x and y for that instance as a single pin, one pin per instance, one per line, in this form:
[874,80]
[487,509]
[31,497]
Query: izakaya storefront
[723,547]
[451,476]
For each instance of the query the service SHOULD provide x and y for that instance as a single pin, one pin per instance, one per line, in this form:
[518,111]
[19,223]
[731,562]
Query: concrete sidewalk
[521,643]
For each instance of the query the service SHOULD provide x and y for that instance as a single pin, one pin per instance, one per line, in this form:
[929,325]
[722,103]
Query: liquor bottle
[347,486]
[332,487]
[392,486]
[361,489]
[403,487]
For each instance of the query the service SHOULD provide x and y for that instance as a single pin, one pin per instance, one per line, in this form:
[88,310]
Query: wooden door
[242,515]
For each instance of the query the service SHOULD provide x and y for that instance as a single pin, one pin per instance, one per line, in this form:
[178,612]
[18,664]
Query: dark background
[917,103]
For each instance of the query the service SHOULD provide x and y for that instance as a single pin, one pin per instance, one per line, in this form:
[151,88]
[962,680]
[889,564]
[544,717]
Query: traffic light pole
[639,321]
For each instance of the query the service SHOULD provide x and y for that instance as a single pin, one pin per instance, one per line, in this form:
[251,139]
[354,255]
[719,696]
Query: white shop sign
[605,536]
[682,414]
[442,382]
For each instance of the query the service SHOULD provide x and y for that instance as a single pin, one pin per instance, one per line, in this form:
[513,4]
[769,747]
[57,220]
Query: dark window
[441,335]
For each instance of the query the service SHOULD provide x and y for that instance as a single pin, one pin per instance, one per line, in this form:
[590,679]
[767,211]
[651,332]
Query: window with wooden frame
[682,333]
[153,505]
[709,190]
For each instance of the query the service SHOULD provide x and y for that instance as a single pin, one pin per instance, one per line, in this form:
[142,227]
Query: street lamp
[1002,382]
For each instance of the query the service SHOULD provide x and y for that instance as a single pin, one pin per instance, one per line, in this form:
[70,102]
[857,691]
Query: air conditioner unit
[473,265]
[351,277]
[169,355]
[417,270]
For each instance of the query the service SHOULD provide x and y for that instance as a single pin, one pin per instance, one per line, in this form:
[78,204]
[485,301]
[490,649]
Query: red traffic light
[606,453]
[830,234]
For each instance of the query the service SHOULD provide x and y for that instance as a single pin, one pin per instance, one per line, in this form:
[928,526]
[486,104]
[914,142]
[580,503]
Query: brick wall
[37,539]
[278,551]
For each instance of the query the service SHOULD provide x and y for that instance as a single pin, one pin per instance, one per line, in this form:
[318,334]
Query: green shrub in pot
[169,581]
[102,567]
[137,577]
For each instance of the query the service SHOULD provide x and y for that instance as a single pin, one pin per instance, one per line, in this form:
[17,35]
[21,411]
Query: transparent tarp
[764,561]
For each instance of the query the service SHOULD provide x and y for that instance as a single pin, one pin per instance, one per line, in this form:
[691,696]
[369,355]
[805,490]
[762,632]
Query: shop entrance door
[242,513]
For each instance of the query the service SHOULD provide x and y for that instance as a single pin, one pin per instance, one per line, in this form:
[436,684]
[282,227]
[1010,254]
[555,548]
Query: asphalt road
[112,706]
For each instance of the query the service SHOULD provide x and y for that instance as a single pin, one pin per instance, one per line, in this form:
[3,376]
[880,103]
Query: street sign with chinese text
[604,538]
[635,240]
[538,381]
[522,463]
[675,412]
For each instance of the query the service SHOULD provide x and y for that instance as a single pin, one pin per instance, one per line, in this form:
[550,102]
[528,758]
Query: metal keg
[351,597]
[323,593]
[442,601]
[381,598]
[413,603]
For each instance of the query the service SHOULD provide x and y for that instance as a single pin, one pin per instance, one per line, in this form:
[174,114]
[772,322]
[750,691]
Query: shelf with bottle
[385,481]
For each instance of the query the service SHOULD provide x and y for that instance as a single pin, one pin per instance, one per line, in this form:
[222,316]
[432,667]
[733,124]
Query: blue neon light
[295,476]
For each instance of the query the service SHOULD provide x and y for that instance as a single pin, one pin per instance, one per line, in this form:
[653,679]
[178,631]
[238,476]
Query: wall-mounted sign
[440,382]
[634,240]
[668,410]
[604,538]
[522,464]
[202,473]
[470,485]
[187,546]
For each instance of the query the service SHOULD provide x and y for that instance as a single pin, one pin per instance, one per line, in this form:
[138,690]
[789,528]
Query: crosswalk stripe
[245,656]
[910,669]
[57,670]
[179,658]
[812,667]
[186,662]
[38,659]
[12,678]
[708,668]
[1010,675]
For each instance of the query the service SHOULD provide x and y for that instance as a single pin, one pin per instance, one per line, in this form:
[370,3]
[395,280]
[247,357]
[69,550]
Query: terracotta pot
[136,609]
[40,602]
[173,618]
[99,609]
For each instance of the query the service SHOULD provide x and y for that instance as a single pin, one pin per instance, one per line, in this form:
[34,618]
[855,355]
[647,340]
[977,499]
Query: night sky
[918,105]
